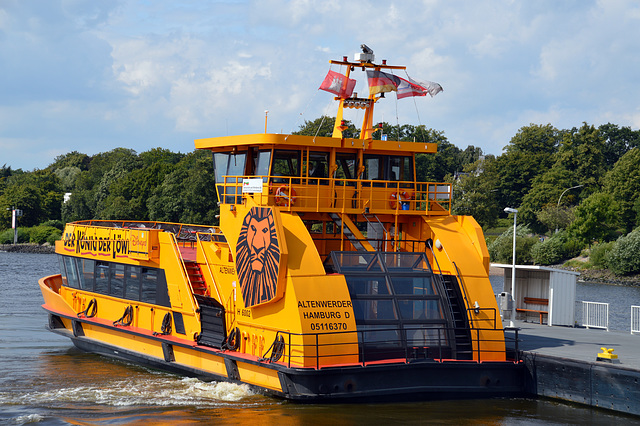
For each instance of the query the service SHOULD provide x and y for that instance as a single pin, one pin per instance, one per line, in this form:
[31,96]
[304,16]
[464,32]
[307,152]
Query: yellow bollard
[607,355]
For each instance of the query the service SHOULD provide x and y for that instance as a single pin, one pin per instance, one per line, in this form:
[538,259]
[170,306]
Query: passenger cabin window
[131,282]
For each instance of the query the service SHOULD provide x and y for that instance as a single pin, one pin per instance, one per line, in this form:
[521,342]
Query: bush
[624,257]
[501,249]
[572,247]
[599,253]
[55,223]
[6,237]
[550,251]
[41,234]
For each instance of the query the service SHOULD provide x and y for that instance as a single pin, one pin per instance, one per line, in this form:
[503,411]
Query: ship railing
[376,345]
[184,233]
[327,242]
[595,315]
[373,346]
[307,194]
[635,319]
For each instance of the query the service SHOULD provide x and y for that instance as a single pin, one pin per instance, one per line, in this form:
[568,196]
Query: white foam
[148,390]
[26,419]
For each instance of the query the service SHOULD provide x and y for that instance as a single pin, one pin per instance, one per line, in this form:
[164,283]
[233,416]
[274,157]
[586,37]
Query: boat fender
[126,319]
[232,342]
[91,311]
[285,196]
[166,324]
[276,348]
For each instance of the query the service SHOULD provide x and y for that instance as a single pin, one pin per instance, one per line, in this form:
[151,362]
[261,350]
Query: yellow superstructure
[333,273]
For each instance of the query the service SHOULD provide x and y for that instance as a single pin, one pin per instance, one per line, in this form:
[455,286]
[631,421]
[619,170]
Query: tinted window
[149,285]
[63,271]
[72,273]
[86,270]
[117,280]
[102,277]
[132,282]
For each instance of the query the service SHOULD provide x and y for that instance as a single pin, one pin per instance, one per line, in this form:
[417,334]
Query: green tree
[623,182]
[530,153]
[617,141]
[187,194]
[624,256]
[38,194]
[596,219]
[555,218]
[474,194]
[501,249]
[323,126]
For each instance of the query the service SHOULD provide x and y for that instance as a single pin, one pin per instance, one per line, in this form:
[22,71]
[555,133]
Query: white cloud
[94,76]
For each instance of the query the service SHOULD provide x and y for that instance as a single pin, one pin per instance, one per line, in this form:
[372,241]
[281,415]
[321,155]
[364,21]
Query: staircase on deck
[192,267]
[464,348]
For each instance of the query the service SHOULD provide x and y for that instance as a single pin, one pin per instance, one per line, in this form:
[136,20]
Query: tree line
[582,182]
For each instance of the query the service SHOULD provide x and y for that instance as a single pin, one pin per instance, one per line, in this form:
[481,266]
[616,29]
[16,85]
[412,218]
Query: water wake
[136,391]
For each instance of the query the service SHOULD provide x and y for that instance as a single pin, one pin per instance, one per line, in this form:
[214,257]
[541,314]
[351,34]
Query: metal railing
[362,347]
[635,319]
[341,195]
[595,315]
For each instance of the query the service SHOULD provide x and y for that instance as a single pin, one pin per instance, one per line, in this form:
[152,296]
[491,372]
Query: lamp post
[563,192]
[513,269]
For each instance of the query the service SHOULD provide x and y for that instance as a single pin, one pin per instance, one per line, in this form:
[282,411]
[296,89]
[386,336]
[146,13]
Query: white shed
[542,291]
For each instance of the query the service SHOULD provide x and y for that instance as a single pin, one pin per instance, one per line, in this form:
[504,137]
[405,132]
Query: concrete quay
[561,363]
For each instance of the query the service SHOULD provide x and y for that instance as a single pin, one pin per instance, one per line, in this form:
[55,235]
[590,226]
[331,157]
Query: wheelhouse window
[228,167]
[347,167]
[263,161]
[318,167]
[390,168]
[285,163]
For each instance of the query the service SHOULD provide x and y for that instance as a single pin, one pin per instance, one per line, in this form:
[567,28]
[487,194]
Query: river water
[45,380]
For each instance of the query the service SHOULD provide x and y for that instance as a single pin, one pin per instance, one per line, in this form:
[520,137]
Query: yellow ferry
[334,274]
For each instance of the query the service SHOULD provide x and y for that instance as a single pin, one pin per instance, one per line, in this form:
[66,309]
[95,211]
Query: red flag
[412,87]
[338,84]
[380,82]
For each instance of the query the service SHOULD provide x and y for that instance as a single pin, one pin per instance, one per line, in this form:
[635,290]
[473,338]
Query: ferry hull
[375,381]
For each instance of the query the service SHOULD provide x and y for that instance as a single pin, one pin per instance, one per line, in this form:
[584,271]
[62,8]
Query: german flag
[380,82]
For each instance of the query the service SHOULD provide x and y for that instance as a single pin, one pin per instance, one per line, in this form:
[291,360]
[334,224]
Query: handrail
[464,292]
[204,252]
[183,270]
[344,195]
[439,346]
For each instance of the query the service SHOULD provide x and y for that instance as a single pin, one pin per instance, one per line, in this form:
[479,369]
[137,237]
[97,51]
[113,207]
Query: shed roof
[533,268]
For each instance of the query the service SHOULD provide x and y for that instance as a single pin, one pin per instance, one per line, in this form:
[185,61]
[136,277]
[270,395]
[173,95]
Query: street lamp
[513,269]
[563,192]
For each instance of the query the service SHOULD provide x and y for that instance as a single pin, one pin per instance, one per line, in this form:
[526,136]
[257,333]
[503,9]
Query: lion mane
[258,257]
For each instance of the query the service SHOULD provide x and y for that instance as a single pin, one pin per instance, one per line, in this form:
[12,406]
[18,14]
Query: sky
[91,76]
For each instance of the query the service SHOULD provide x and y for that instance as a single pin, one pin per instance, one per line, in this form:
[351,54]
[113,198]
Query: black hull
[423,380]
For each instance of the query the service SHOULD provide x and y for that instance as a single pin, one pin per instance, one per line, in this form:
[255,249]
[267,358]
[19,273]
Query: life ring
[285,196]
[398,196]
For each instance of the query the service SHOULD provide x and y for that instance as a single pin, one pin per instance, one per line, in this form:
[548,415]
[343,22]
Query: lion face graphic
[258,257]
